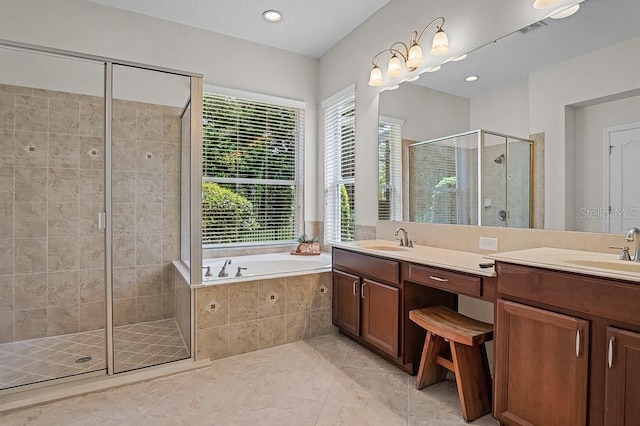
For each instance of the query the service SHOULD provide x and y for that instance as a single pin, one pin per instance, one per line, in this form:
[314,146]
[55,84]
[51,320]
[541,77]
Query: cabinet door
[346,302]
[622,395]
[380,312]
[541,367]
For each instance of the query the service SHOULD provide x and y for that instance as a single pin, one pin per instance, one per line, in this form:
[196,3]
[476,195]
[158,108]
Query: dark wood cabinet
[346,302]
[542,362]
[567,348]
[622,383]
[380,313]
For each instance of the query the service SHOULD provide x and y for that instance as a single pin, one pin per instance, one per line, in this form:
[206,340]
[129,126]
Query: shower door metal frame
[195,86]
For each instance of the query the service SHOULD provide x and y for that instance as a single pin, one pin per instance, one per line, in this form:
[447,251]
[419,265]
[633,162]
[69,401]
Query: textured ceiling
[308,28]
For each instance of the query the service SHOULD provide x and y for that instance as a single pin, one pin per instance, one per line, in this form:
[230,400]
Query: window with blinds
[252,168]
[389,169]
[339,166]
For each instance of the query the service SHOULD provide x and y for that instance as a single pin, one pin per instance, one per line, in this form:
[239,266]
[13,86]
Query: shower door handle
[102,221]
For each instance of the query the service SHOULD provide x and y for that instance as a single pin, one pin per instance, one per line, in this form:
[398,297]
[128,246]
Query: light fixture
[543,4]
[472,78]
[412,57]
[272,15]
[564,12]
[459,58]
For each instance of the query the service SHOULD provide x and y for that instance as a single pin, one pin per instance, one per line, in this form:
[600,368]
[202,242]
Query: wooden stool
[466,356]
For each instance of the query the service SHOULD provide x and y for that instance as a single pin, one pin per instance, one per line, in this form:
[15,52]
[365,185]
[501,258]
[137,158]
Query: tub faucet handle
[239,273]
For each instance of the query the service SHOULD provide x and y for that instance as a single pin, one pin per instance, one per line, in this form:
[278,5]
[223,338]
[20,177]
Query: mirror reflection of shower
[500,159]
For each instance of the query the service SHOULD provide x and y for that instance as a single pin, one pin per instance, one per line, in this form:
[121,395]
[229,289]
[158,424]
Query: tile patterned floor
[136,345]
[327,380]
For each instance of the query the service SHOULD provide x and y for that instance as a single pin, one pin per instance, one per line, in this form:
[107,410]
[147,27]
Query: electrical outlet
[487,243]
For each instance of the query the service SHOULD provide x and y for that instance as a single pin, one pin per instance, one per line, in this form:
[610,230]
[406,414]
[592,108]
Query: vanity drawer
[367,266]
[446,280]
[606,298]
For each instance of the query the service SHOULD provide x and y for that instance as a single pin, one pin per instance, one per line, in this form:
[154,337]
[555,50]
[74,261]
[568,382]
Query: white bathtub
[265,266]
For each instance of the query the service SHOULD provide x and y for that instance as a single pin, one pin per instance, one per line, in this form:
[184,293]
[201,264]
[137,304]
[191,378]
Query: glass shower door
[146,166]
[52,287]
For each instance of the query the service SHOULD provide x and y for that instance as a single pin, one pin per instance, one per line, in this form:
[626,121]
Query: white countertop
[604,265]
[430,256]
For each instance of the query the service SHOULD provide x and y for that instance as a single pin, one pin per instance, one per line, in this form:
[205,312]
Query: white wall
[94,29]
[504,111]
[427,113]
[571,82]
[590,124]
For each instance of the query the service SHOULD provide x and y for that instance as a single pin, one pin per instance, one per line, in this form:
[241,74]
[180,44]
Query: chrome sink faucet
[404,241]
[223,272]
[632,235]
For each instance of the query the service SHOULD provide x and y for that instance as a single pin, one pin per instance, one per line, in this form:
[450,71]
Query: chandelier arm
[404,54]
[417,40]
[373,61]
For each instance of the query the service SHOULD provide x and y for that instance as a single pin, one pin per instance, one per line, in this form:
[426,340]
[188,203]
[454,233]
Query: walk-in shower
[473,178]
[92,162]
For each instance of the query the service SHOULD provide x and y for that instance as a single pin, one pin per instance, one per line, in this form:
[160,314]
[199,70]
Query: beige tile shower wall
[51,188]
[146,210]
[237,318]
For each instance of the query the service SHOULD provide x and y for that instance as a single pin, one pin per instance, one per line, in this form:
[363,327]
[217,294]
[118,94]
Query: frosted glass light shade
[440,44]
[543,4]
[395,67]
[375,78]
[415,57]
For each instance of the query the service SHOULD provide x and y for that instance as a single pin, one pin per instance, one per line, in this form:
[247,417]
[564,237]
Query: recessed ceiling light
[434,69]
[272,15]
[543,4]
[394,87]
[459,58]
[472,78]
[414,78]
[564,12]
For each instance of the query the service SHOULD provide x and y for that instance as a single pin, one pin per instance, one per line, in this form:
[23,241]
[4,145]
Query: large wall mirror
[572,85]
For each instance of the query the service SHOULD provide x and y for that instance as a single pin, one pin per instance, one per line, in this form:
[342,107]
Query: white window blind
[339,166]
[252,170]
[389,169]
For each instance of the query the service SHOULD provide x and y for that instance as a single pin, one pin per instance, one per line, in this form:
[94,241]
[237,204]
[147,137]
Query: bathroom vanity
[376,284]
[567,323]
[567,346]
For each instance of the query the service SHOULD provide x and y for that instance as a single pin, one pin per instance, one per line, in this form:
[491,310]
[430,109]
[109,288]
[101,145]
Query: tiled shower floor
[136,346]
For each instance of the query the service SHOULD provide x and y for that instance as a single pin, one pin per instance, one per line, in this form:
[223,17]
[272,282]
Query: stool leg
[430,372]
[473,379]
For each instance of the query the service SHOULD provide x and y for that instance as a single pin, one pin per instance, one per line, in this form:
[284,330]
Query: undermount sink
[383,247]
[620,265]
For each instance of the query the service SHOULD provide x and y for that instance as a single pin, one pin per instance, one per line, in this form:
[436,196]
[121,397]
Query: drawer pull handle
[578,340]
[610,352]
[442,280]
[355,288]
[362,290]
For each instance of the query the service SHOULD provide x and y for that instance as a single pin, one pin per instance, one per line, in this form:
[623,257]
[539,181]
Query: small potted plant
[308,245]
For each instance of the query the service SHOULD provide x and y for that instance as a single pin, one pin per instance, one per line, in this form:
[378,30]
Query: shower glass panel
[146,164]
[443,180]
[473,178]
[52,304]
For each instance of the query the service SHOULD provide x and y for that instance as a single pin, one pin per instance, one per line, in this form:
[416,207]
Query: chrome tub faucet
[223,272]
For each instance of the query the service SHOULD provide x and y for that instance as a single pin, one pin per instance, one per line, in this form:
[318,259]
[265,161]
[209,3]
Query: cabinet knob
[610,351]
